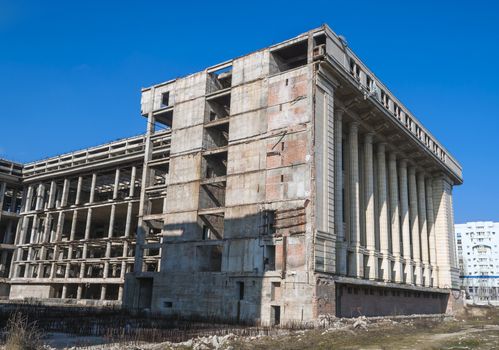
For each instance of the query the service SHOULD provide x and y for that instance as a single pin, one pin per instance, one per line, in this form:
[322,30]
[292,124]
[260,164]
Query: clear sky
[71,71]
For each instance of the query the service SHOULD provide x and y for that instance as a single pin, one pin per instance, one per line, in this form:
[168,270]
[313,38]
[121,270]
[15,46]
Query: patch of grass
[21,334]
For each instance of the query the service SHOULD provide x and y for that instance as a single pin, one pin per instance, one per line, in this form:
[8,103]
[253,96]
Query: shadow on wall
[355,300]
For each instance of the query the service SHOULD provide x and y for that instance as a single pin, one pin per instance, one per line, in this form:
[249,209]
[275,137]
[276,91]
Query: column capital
[441,175]
[368,137]
[412,170]
[421,174]
[354,125]
[392,156]
[381,146]
[338,113]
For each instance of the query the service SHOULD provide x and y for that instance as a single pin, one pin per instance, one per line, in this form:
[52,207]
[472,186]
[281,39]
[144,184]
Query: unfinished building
[76,233]
[274,187]
[10,204]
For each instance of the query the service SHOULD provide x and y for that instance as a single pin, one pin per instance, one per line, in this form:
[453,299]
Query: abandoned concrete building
[10,204]
[274,187]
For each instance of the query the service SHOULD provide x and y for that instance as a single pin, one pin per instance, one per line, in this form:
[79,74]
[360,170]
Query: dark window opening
[165,99]
[269,260]
[240,287]
[275,315]
[289,57]
[269,217]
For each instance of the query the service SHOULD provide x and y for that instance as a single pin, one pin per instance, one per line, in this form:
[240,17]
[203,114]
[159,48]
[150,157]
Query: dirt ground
[477,329]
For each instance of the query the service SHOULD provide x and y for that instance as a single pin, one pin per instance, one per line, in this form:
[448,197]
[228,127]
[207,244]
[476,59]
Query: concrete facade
[478,254]
[76,234]
[10,203]
[272,188]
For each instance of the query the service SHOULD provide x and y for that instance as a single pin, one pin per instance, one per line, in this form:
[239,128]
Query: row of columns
[391,203]
[56,235]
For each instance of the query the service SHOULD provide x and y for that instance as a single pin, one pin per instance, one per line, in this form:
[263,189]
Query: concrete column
[65,193]
[423,228]
[74,221]
[133,176]
[85,245]
[357,261]
[448,274]
[372,262]
[143,205]
[128,222]
[116,183]
[430,215]
[53,187]
[92,188]
[384,222]
[3,262]
[414,219]
[103,292]
[111,221]
[9,235]
[39,196]
[14,201]
[64,291]
[78,190]
[395,222]
[29,197]
[33,230]
[79,292]
[341,246]
[404,216]
[60,227]
[3,189]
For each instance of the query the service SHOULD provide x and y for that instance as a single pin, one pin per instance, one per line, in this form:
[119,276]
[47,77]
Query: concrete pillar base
[418,274]
[357,264]
[426,275]
[409,277]
[341,259]
[385,268]
[398,271]
[372,266]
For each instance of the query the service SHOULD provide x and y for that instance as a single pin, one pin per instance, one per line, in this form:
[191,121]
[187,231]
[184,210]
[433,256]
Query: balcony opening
[155,200]
[213,225]
[216,136]
[160,174]
[163,119]
[214,165]
[218,107]
[91,291]
[219,79]
[212,195]
[288,57]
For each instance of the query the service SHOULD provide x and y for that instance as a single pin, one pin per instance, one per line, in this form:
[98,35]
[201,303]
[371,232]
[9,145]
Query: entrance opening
[145,293]
[275,315]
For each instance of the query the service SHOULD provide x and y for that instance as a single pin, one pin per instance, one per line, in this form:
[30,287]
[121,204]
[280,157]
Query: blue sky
[71,72]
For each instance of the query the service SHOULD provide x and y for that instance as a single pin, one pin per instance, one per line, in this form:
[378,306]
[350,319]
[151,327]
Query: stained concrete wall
[20,291]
